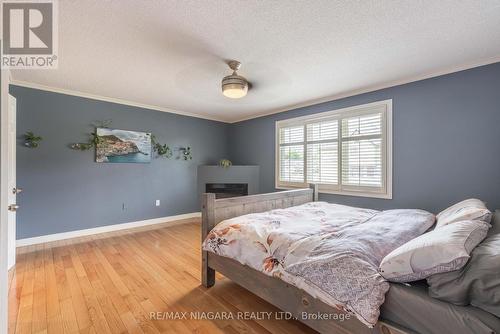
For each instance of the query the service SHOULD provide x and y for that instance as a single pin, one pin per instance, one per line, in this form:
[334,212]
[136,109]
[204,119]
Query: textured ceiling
[170,54]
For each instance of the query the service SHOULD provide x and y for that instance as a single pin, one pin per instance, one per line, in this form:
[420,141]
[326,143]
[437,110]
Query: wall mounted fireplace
[228,182]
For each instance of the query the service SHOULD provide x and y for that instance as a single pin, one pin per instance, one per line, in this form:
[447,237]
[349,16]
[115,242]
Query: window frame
[385,192]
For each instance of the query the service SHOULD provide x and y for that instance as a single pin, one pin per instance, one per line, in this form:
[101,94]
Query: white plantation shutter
[362,151]
[362,163]
[290,135]
[292,163]
[322,152]
[291,154]
[346,151]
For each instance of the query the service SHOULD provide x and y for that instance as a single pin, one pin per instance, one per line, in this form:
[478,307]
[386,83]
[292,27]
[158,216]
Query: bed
[301,301]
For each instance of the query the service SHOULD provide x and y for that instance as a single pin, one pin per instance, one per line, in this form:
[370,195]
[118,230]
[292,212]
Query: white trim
[385,108]
[4,93]
[353,110]
[109,99]
[11,179]
[103,229]
[373,88]
[389,152]
[344,192]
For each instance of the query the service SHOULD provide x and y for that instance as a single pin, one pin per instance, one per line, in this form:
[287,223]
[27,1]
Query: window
[346,151]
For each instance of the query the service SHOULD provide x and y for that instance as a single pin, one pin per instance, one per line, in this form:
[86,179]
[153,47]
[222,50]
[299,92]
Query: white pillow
[470,209]
[438,251]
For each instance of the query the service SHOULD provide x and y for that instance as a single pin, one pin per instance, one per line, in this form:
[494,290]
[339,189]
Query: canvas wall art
[122,146]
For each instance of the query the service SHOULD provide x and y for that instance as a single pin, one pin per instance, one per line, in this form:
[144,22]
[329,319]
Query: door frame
[11,195]
[4,273]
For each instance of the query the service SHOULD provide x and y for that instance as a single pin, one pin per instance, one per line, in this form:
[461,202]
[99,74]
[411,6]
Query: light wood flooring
[111,283]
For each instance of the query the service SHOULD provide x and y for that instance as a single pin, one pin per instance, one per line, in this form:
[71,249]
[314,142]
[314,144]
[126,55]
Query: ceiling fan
[234,86]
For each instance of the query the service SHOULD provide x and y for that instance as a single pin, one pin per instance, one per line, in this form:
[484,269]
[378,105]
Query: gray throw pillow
[478,282]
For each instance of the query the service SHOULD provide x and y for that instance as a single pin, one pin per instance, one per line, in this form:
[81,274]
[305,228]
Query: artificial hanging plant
[162,150]
[186,153]
[31,140]
[93,141]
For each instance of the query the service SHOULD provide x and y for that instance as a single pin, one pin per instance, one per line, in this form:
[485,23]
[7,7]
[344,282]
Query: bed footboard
[216,210]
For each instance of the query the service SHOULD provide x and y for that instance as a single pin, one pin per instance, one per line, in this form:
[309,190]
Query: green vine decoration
[162,150]
[31,140]
[186,153]
[93,141]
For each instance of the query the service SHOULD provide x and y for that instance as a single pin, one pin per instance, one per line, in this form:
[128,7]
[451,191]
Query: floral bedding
[330,251]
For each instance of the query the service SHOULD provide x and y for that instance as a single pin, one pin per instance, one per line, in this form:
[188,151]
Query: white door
[12,187]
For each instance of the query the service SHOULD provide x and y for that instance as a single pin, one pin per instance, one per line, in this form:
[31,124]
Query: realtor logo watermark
[29,34]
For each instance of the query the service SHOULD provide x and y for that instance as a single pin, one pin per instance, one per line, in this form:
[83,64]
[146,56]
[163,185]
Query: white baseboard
[102,229]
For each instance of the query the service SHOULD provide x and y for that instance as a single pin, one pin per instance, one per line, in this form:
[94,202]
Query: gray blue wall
[66,190]
[446,137]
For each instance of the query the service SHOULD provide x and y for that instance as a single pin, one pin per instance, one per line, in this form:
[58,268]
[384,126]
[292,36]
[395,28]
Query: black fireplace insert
[225,190]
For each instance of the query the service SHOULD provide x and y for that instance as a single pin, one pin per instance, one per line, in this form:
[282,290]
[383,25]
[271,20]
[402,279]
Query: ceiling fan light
[234,86]
[235,91]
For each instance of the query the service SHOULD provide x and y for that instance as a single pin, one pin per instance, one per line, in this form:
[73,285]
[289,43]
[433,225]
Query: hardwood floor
[113,283]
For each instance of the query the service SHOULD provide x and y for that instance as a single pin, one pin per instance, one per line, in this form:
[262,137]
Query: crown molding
[109,99]
[373,88]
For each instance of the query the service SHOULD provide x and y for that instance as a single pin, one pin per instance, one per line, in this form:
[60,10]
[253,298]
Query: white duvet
[331,251]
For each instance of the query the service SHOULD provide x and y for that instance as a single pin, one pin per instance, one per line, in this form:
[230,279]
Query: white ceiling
[170,54]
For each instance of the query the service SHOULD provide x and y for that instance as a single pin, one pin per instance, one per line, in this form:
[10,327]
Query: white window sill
[345,193]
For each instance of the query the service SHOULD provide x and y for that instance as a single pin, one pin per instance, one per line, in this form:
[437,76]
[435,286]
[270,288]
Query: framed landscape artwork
[122,146]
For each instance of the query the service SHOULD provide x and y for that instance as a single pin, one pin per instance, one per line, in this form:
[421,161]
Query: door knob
[17,190]
[13,207]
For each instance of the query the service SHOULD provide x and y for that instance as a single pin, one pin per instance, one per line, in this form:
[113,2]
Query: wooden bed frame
[273,290]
